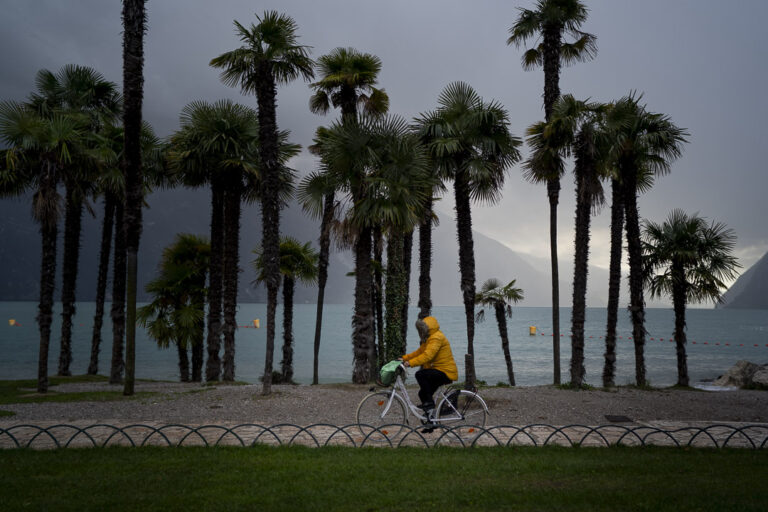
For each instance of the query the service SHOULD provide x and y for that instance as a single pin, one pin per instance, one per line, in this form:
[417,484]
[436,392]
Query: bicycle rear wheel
[372,413]
[465,409]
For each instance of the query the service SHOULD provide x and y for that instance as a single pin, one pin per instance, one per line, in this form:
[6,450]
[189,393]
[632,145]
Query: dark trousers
[429,380]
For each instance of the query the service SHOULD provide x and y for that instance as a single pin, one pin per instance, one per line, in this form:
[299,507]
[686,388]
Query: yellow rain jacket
[435,352]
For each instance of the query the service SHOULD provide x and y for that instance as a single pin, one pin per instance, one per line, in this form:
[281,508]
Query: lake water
[721,336]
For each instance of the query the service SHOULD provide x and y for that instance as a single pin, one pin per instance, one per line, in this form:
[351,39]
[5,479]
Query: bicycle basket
[388,372]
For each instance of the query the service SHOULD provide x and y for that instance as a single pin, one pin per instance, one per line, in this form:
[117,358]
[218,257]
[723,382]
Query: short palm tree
[177,311]
[549,22]
[134,25]
[80,91]
[40,149]
[639,144]
[471,143]
[494,295]
[298,262]
[270,55]
[689,261]
[217,143]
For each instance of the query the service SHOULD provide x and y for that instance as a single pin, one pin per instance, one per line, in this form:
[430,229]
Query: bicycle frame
[399,390]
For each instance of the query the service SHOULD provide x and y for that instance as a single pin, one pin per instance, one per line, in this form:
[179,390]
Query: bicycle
[456,408]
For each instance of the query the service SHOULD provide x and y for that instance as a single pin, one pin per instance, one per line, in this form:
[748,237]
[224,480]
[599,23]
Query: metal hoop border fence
[357,435]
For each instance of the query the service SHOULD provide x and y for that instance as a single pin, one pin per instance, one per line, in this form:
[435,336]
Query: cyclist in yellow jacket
[436,360]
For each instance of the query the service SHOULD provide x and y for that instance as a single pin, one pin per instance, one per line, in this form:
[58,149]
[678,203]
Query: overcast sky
[701,62]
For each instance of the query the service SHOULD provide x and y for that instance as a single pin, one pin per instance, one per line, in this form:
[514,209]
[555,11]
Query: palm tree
[494,295]
[572,130]
[297,262]
[639,144]
[177,311]
[217,143]
[689,261]
[472,145]
[134,26]
[270,55]
[40,148]
[614,281]
[549,22]
[317,197]
[82,91]
[347,78]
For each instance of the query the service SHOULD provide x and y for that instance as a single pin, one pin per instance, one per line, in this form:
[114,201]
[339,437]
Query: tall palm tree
[347,79]
[40,148]
[298,262]
[614,281]
[494,295]
[177,312]
[472,144]
[573,129]
[270,55]
[639,144]
[217,143]
[134,26]
[548,23]
[689,261]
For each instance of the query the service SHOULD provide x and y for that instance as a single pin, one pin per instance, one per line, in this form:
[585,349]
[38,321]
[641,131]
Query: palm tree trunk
[407,257]
[183,363]
[286,365]
[230,271]
[118,299]
[364,350]
[198,344]
[394,344]
[501,321]
[72,223]
[378,301]
[213,366]
[101,286]
[467,267]
[552,36]
[584,169]
[634,248]
[322,276]
[270,206]
[134,17]
[425,262]
[614,283]
[553,192]
[48,234]
[679,303]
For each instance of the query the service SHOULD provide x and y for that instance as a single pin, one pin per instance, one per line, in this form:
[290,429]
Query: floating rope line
[670,340]
[357,435]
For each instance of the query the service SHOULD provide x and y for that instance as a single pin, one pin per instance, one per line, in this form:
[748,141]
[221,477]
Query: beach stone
[760,378]
[739,374]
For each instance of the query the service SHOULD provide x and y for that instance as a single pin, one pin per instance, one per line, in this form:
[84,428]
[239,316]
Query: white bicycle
[456,408]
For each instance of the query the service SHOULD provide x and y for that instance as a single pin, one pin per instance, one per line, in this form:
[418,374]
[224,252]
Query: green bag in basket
[388,371]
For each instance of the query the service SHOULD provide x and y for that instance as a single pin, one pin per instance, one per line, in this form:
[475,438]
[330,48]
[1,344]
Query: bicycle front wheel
[376,411]
[462,408]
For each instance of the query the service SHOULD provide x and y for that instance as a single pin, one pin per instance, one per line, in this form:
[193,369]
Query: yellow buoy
[256,323]
[11,321]
[532,330]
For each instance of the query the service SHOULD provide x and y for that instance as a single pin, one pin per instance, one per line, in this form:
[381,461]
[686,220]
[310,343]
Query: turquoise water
[708,357]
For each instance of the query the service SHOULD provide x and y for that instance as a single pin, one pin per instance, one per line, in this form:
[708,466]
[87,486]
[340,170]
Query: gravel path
[336,404]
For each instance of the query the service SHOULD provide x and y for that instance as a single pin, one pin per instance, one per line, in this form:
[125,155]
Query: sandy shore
[336,404]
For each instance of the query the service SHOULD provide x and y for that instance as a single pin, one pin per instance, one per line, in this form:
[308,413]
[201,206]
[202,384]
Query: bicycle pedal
[428,430]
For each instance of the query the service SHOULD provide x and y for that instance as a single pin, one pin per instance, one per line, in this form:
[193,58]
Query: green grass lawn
[335,478]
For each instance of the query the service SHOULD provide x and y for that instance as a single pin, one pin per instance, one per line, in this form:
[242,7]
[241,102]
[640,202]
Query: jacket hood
[432,324]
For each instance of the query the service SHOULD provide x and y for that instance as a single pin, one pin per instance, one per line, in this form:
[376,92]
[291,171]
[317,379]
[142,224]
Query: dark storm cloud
[700,62]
